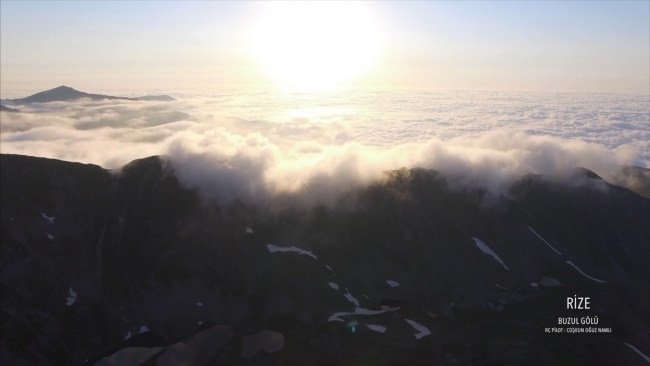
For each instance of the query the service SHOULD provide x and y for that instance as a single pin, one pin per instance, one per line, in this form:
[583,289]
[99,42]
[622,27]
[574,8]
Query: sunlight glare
[316,46]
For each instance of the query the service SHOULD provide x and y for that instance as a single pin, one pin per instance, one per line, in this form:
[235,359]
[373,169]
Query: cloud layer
[254,145]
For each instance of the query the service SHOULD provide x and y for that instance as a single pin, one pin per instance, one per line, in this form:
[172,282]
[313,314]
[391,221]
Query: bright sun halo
[315,46]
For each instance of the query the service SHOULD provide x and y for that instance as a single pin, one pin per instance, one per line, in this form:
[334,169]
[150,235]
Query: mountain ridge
[138,250]
[65,93]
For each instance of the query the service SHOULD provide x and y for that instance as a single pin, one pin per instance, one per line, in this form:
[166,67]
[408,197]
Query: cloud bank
[256,145]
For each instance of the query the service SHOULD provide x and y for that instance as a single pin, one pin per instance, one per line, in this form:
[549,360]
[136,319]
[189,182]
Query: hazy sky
[517,45]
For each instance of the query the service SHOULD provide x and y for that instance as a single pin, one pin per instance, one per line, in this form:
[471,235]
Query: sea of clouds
[254,144]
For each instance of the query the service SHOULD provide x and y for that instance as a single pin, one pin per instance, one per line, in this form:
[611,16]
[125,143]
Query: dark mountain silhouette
[160,98]
[7,109]
[64,94]
[483,279]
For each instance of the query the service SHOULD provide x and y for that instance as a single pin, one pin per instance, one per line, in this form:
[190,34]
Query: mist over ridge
[255,145]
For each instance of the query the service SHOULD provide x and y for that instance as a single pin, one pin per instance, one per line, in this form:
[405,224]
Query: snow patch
[639,352]
[49,236]
[364,295]
[533,284]
[333,285]
[376,328]
[275,248]
[249,230]
[50,219]
[423,331]
[363,311]
[127,336]
[143,329]
[549,281]
[330,268]
[200,323]
[357,311]
[351,298]
[73,297]
[392,283]
[336,317]
[539,236]
[503,288]
[489,251]
[584,274]
[199,304]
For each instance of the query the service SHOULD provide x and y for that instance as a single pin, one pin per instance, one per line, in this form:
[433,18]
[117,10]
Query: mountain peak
[62,93]
[60,89]
[65,93]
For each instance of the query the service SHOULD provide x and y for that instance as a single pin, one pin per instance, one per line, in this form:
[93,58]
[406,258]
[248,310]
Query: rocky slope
[91,257]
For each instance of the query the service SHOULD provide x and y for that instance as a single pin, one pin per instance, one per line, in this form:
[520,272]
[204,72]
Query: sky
[577,46]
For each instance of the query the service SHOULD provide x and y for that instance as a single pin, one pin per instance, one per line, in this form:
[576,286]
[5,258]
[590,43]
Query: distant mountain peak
[65,93]
[159,98]
[59,94]
[61,88]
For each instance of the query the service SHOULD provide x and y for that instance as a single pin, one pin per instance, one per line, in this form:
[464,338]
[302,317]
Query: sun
[315,46]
